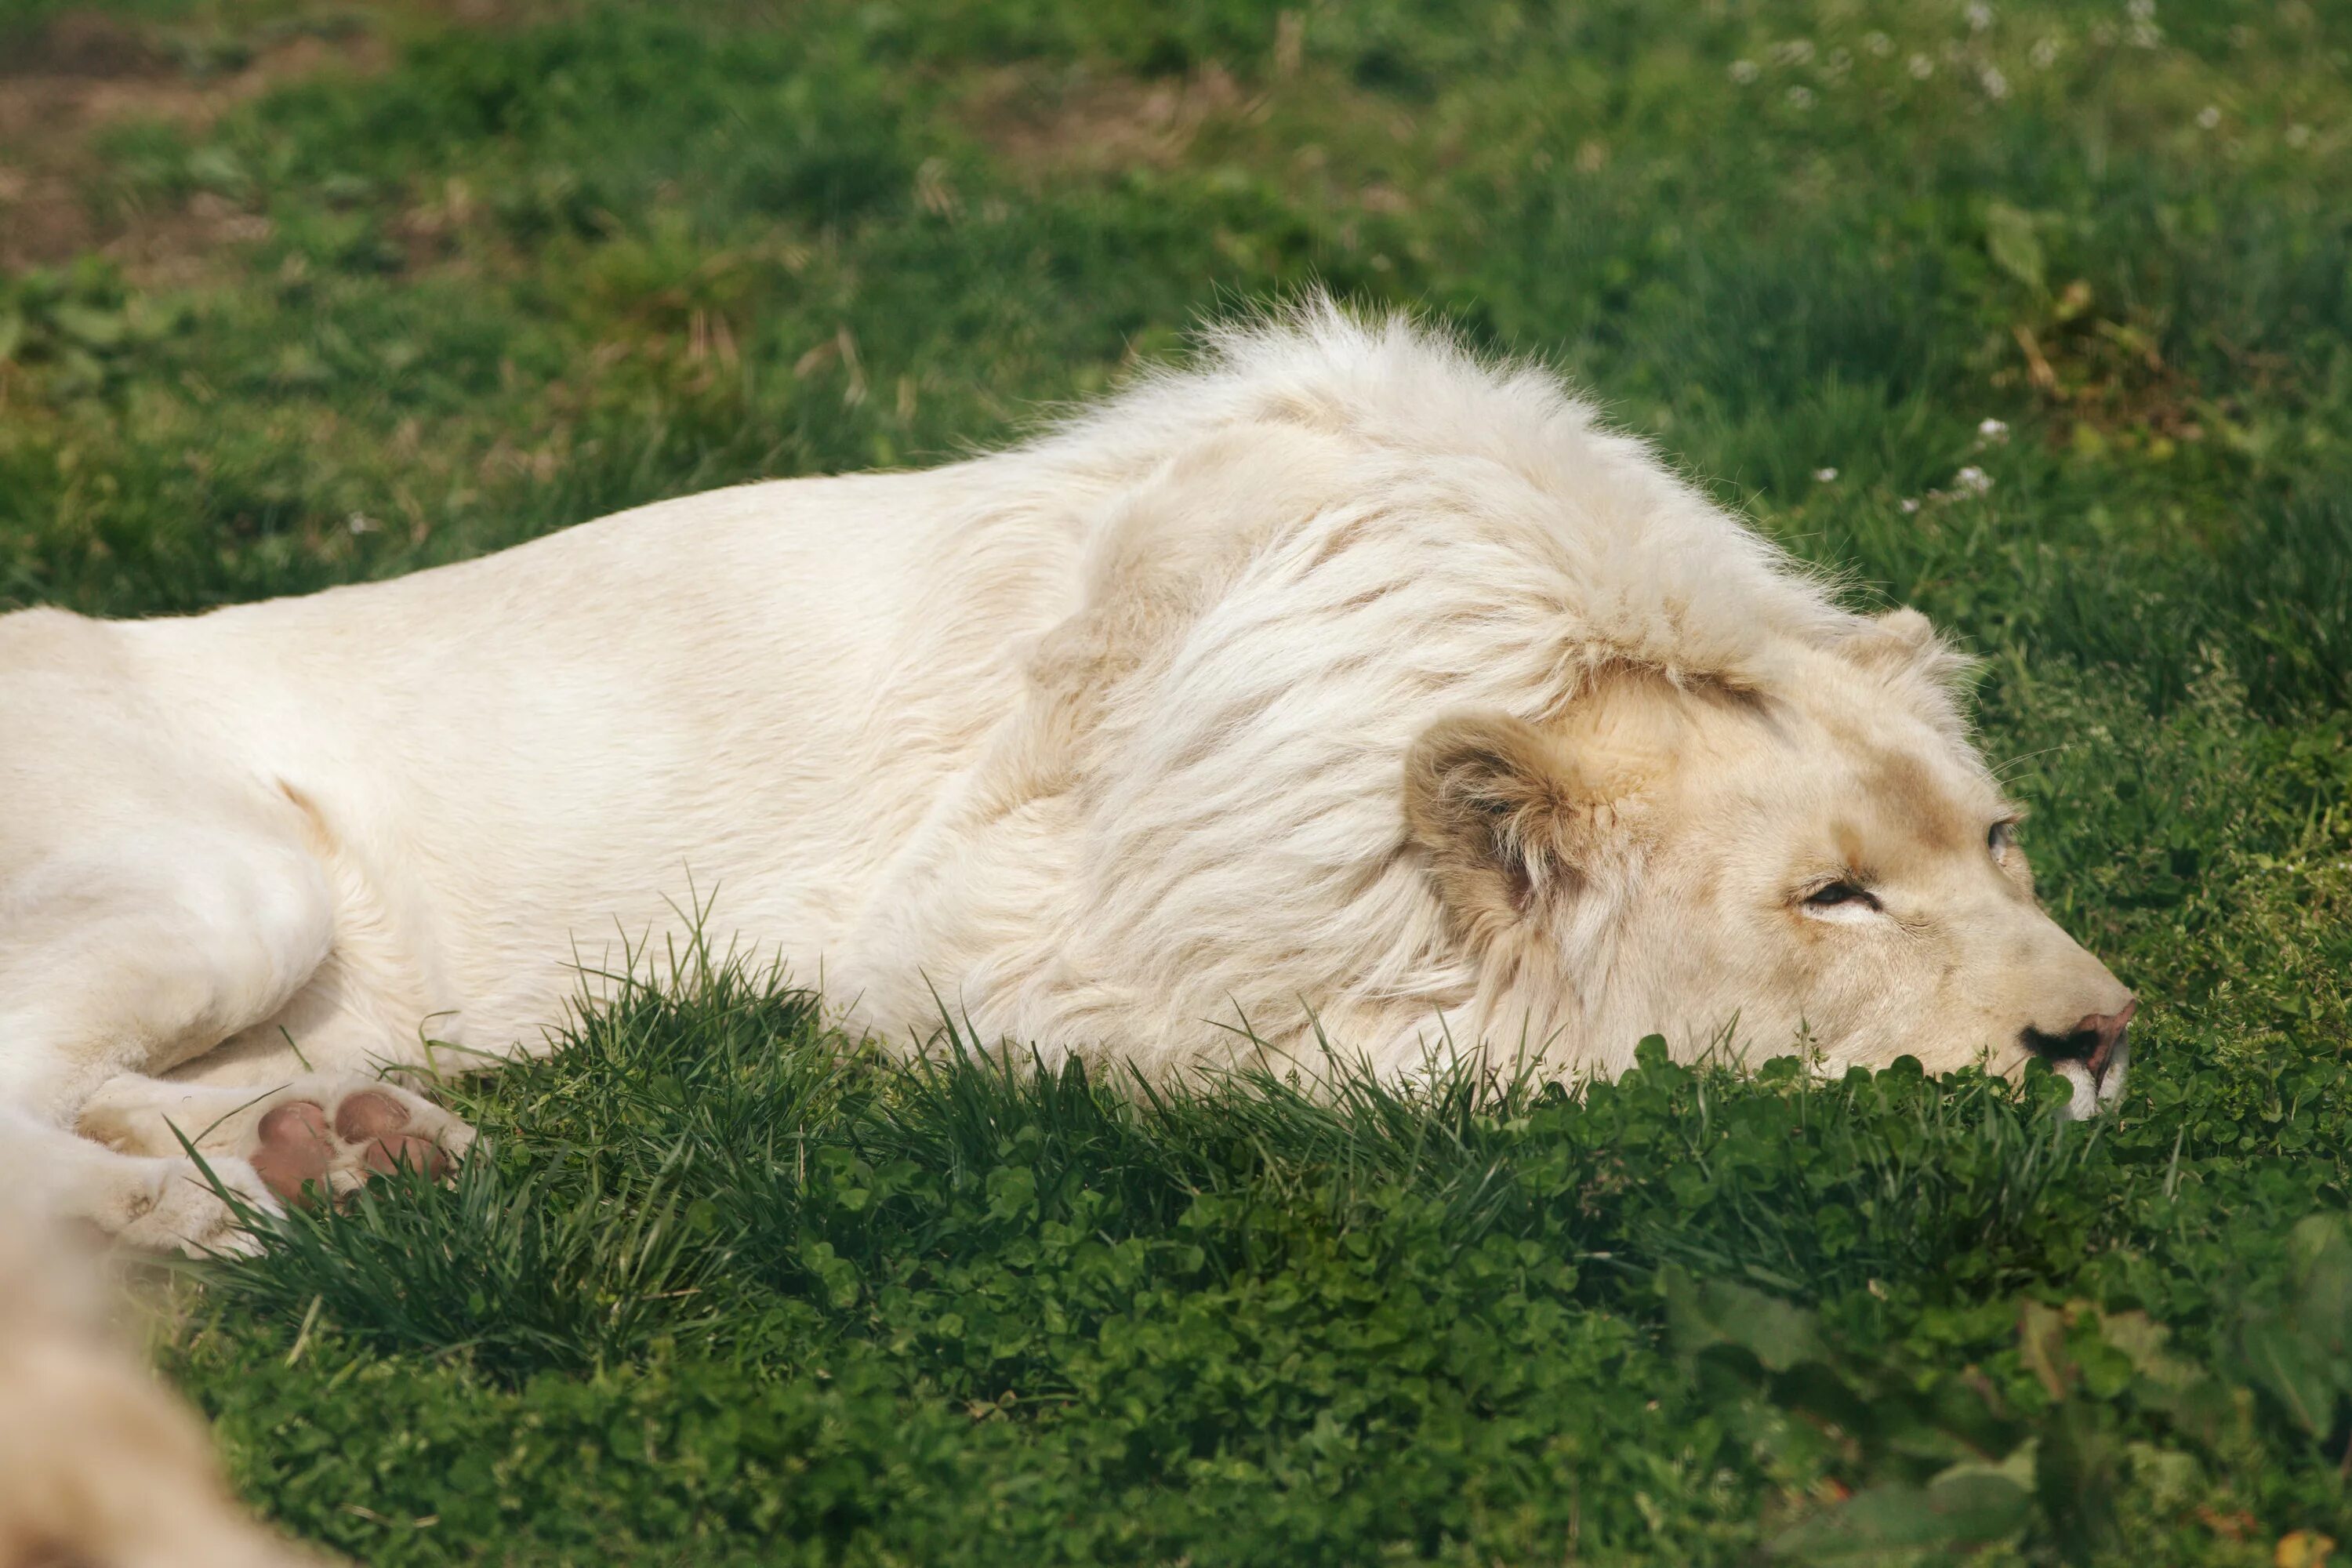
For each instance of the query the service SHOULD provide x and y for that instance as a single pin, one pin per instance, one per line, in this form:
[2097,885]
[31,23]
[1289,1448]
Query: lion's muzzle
[2087,1052]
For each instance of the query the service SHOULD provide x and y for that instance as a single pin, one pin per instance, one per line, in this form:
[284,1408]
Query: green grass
[727,1288]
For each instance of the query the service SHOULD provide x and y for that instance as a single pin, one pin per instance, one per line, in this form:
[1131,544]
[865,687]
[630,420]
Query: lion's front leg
[128,951]
[158,1203]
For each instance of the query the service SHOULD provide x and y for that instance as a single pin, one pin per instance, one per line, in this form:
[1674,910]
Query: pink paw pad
[376,1120]
[299,1149]
[296,1149]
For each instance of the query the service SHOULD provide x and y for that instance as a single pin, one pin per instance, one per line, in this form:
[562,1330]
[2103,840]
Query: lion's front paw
[204,1211]
[331,1135]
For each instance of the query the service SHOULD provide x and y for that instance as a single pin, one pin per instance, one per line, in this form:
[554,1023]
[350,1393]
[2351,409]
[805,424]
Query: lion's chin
[2094,1095]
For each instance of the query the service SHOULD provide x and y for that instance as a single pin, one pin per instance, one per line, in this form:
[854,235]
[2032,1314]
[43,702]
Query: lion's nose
[2092,1042]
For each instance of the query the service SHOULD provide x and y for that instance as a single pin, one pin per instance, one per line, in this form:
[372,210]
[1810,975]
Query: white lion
[1345,683]
[100,1466]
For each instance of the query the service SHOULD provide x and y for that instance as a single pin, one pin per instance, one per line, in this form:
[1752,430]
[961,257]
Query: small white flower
[1992,431]
[361,522]
[1995,84]
[1980,15]
[1921,66]
[1908,503]
[1972,479]
[1800,97]
[1878,44]
[1826,476]
[1743,71]
[2044,53]
[2298,135]
[2210,116]
[2141,10]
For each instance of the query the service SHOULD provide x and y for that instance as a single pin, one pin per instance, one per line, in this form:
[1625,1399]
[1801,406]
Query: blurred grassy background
[2034,315]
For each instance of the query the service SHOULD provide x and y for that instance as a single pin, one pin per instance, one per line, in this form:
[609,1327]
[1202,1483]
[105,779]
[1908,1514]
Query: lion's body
[1101,744]
[746,701]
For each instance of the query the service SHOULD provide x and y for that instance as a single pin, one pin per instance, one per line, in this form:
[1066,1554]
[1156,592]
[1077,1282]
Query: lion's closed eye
[1841,898]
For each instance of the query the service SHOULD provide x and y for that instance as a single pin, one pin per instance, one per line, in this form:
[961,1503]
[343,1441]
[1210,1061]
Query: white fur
[99,1463]
[1099,741]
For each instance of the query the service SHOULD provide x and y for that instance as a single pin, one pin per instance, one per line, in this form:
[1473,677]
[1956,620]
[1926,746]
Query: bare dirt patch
[1095,124]
[83,73]
[1302,128]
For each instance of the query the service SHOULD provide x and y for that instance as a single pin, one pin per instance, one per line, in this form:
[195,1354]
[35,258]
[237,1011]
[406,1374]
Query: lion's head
[1827,860]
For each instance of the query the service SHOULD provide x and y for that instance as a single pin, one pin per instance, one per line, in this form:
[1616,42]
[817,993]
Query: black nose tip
[2092,1042]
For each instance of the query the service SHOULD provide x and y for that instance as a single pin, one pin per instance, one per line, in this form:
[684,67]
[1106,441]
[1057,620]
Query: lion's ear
[1494,804]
